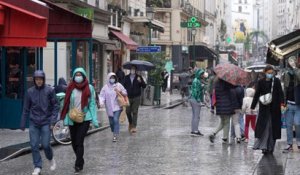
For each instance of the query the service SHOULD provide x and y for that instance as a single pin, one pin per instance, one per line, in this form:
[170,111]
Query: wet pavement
[162,146]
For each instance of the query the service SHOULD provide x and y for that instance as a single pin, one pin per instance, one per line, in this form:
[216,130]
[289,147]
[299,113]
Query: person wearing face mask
[268,125]
[81,95]
[108,97]
[291,80]
[133,83]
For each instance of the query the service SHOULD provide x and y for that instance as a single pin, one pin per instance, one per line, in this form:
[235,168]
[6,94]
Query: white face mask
[132,71]
[78,79]
[112,80]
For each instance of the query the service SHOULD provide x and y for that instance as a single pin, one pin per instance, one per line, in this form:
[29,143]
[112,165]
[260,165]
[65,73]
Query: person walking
[291,80]
[196,100]
[165,77]
[224,108]
[120,75]
[133,84]
[108,97]
[237,127]
[268,125]
[61,87]
[79,99]
[41,106]
[250,117]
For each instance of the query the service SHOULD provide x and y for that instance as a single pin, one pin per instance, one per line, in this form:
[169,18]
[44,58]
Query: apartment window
[97,3]
[240,1]
[240,8]
[246,2]
[136,12]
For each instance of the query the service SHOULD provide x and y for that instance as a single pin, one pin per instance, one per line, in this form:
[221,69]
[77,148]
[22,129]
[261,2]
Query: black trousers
[78,132]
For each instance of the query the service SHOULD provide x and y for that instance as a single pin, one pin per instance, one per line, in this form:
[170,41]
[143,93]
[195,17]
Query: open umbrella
[140,65]
[232,74]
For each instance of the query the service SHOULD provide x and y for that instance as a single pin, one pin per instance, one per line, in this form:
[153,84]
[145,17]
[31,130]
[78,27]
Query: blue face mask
[78,79]
[112,81]
[269,76]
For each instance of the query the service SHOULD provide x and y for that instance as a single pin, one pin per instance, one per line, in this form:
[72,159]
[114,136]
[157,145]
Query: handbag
[267,98]
[76,115]
[122,100]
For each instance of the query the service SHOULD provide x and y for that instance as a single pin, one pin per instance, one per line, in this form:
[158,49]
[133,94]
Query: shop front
[21,51]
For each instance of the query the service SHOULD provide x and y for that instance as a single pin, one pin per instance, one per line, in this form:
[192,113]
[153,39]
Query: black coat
[225,101]
[272,110]
[134,88]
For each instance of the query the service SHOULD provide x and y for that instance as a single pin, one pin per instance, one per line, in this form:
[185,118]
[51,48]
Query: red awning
[65,24]
[128,41]
[21,27]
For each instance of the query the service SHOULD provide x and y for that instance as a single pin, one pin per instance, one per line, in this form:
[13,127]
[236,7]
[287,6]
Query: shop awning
[285,45]
[22,27]
[65,24]
[125,39]
[202,53]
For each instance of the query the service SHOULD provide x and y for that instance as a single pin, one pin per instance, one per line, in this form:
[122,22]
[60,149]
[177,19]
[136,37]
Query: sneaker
[197,133]
[52,164]
[36,171]
[115,139]
[238,140]
[77,170]
[212,138]
[243,138]
[246,140]
[288,148]
[224,140]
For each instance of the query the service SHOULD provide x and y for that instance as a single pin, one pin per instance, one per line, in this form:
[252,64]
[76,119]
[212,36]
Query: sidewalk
[16,142]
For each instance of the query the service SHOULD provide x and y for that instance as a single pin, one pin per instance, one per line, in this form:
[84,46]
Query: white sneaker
[36,171]
[52,164]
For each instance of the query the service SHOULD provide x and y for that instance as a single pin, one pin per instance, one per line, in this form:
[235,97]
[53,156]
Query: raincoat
[108,96]
[90,110]
[197,88]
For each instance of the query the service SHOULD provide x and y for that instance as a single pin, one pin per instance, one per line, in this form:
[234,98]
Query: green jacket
[90,110]
[197,89]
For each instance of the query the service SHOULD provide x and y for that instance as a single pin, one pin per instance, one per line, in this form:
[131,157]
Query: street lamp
[150,15]
[194,32]
[217,49]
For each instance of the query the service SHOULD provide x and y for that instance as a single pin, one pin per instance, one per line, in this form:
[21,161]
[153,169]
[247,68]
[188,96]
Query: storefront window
[14,85]
[1,59]
[15,59]
[97,65]
[82,54]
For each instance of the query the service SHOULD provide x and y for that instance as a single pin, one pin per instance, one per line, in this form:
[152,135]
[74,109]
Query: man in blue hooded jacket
[41,107]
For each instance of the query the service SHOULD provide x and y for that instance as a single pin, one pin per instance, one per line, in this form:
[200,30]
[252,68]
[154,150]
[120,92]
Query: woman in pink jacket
[108,97]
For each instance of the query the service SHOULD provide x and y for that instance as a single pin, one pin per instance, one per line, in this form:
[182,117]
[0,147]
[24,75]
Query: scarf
[86,93]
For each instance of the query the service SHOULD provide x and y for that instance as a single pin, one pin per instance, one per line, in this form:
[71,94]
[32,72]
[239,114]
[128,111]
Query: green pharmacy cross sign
[192,23]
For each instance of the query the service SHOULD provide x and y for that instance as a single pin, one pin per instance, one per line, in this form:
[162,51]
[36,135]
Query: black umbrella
[140,65]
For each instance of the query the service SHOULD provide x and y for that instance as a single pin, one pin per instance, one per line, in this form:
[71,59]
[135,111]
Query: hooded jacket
[197,89]
[247,101]
[90,110]
[62,86]
[40,104]
[108,96]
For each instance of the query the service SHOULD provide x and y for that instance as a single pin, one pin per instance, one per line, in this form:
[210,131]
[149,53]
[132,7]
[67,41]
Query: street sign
[192,23]
[147,49]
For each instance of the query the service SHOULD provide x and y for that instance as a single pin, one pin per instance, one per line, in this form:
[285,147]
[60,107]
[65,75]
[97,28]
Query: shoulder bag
[267,98]
[123,101]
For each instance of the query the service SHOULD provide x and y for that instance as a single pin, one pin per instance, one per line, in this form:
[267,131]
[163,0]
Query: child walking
[246,109]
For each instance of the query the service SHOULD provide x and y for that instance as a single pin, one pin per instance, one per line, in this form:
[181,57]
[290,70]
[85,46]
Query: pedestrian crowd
[261,104]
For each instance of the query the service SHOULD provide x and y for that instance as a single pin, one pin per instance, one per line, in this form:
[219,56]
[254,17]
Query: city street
[162,145]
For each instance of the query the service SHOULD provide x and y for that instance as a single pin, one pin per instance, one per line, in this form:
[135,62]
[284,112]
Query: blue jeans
[40,135]
[242,126]
[114,122]
[293,118]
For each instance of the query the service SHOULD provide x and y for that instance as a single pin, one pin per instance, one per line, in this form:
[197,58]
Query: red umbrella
[232,74]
